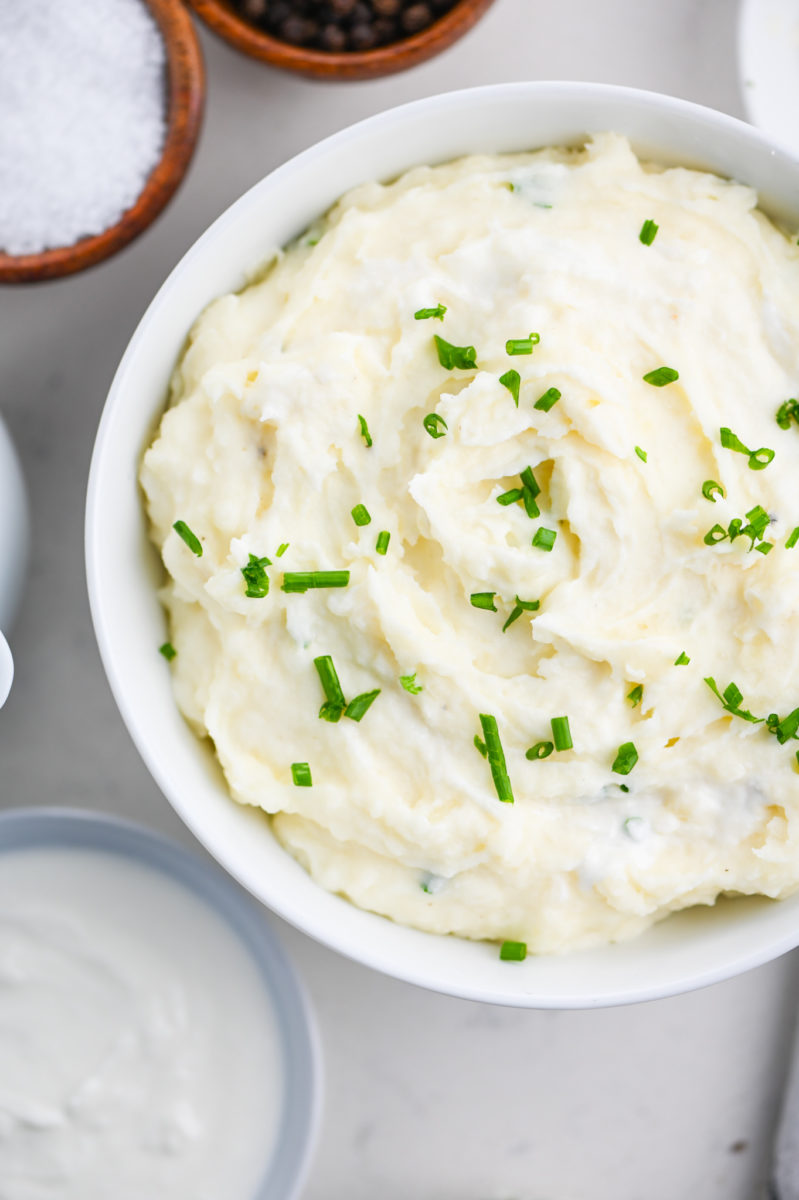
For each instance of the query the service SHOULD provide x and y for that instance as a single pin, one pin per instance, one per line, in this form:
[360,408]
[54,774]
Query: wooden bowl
[185,83]
[220,16]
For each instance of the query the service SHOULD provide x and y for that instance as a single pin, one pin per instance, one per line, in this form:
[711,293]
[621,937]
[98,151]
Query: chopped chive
[301,774]
[515,346]
[711,489]
[496,758]
[463,357]
[365,434]
[513,951]
[548,400]
[530,489]
[335,703]
[648,232]
[715,535]
[483,600]
[357,708]
[682,660]
[256,577]
[792,539]
[623,788]
[544,539]
[520,607]
[561,734]
[481,746]
[529,481]
[661,376]
[764,548]
[625,759]
[784,729]
[758,459]
[191,539]
[424,314]
[383,538]
[510,497]
[512,381]
[281,550]
[410,684]
[168,650]
[539,750]
[636,695]
[785,412]
[435,425]
[301,581]
[731,699]
[360,515]
[641,453]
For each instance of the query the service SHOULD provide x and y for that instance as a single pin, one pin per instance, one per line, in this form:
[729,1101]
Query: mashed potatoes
[322,389]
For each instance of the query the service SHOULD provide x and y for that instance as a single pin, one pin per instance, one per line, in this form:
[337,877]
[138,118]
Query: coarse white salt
[82,117]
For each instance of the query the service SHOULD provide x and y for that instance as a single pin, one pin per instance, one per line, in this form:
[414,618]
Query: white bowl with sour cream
[694,948]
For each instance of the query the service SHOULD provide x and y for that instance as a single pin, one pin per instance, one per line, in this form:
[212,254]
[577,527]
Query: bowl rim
[23,829]
[184,69]
[693,974]
[406,52]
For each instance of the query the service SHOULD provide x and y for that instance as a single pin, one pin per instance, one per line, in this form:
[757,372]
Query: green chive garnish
[682,660]
[715,535]
[784,729]
[792,539]
[661,376]
[515,346]
[435,425]
[625,760]
[424,314]
[513,951]
[480,746]
[731,699]
[168,650]
[496,758]
[510,497]
[357,708]
[648,232]
[641,453]
[530,490]
[758,459]
[365,434]
[301,774]
[512,381]
[281,550]
[301,581]
[539,750]
[636,695]
[463,357]
[561,734]
[544,539]
[548,400]
[256,577]
[335,703]
[764,548]
[360,515]
[191,539]
[483,600]
[786,411]
[383,538]
[410,684]
[520,607]
[711,489]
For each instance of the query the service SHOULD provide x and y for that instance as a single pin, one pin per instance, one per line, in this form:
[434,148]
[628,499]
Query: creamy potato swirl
[261,445]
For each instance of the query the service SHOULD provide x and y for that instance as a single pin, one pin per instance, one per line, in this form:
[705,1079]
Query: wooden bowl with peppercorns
[341,39]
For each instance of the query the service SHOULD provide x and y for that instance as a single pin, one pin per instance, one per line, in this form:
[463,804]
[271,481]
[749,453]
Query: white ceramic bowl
[13,550]
[689,950]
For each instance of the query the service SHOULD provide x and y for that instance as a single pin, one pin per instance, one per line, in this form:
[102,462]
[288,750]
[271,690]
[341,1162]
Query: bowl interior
[689,950]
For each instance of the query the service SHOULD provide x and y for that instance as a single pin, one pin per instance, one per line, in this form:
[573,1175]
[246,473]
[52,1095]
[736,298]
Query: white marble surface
[427,1097]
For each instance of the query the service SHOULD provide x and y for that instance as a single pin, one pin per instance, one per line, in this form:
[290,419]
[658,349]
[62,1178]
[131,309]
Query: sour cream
[138,1047]
[262,445]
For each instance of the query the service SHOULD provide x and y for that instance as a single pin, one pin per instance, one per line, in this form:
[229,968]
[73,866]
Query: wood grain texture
[185,86]
[220,16]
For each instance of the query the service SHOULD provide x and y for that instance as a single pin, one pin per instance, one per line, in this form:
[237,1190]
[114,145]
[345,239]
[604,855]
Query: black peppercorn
[387,8]
[416,17]
[298,30]
[363,37]
[333,38]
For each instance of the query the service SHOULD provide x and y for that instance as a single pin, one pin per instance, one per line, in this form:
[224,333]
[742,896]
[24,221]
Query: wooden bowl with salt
[184,83]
